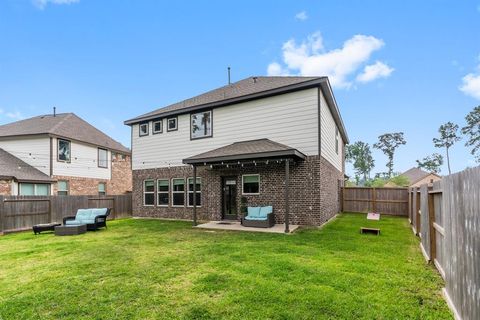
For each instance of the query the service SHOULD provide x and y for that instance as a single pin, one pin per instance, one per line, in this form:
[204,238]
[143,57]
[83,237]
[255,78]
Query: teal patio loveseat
[259,217]
[94,218]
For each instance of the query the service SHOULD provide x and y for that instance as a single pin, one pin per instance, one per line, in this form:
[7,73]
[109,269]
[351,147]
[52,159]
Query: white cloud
[310,58]
[43,3]
[14,115]
[375,71]
[471,83]
[302,16]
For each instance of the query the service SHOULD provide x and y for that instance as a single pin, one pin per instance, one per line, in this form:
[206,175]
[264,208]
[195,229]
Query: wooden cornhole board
[373,216]
[374,231]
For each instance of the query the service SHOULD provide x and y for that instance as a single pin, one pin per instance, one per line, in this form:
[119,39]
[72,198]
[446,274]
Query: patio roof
[246,150]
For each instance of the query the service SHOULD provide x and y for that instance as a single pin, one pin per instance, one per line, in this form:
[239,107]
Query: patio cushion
[83,214]
[264,211]
[88,221]
[98,212]
[253,211]
[255,218]
[73,222]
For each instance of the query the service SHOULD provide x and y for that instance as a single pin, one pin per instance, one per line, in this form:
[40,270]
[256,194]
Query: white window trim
[104,189]
[49,186]
[161,128]
[168,192]
[251,194]
[188,192]
[178,192]
[149,192]
[176,124]
[140,131]
[98,158]
[68,187]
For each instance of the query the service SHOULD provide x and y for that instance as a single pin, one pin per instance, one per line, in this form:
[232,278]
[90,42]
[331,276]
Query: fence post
[431,219]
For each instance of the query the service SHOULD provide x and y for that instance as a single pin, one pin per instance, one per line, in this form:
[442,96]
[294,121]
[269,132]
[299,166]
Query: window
[163,186]
[149,193]
[178,192]
[63,153]
[251,184]
[102,158]
[336,140]
[62,188]
[201,125]
[157,126]
[143,129]
[102,189]
[199,192]
[172,124]
[33,189]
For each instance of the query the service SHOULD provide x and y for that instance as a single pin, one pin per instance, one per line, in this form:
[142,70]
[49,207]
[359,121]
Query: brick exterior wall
[313,190]
[5,187]
[120,182]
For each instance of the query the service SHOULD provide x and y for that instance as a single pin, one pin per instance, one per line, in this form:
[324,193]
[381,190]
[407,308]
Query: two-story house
[260,141]
[77,158]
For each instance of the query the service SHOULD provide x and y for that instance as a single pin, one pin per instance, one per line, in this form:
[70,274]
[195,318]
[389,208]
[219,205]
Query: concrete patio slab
[236,226]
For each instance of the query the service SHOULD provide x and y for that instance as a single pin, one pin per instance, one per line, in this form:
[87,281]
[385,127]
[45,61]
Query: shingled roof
[65,125]
[251,149]
[13,168]
[416,174]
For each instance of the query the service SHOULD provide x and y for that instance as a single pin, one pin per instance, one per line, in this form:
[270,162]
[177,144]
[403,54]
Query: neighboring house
[17,176]
[239,139]
[417,177]
[80,158]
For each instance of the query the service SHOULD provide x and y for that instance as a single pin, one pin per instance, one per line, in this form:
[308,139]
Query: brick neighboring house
[77,157]
[241,141]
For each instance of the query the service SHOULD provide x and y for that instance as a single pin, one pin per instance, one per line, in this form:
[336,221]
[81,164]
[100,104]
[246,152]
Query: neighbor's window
[199,192]
[336,140]
[149,192]
[143,129]
[64,153]
[62,188]
[251,184]
[102,158]
[172,124]
[157,126]
[163,188]
[102,189]
[33,189]
[178,192]
[201,124]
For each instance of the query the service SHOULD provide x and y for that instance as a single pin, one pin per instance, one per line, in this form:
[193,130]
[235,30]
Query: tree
[472,130]
[431,163]
[448,137]
[360,155]
[388,143]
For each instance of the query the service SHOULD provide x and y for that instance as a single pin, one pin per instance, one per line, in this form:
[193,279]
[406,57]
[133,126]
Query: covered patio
[248,154]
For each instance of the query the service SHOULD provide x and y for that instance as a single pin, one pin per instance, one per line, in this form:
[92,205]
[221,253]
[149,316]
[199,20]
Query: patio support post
[287,203]
[194,195]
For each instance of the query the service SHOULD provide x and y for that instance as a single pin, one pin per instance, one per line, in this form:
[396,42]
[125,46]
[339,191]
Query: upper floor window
[143,129]
[157,126]
[102,158]
[336,140]
[64,152]
[102,189]
[172,124]
[201,124]
[62,188]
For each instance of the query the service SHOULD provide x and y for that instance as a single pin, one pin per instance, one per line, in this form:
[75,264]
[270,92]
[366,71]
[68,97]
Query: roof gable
[66,125]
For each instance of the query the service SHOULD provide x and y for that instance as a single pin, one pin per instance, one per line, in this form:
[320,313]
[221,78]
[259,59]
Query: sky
[406,66]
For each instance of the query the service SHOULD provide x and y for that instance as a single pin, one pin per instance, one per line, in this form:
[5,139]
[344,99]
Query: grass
[152,269]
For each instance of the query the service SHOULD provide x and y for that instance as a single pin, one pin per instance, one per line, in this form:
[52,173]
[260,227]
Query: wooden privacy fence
[446,217]
[391,201]
[22,212]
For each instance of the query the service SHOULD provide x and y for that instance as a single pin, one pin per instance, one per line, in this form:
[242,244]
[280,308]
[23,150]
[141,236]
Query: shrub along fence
[446,217]
[391,201]
[22,212]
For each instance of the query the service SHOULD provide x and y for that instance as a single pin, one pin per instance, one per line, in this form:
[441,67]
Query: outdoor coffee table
[38,228]
[70,230]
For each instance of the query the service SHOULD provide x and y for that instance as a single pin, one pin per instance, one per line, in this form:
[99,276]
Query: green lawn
[152,269]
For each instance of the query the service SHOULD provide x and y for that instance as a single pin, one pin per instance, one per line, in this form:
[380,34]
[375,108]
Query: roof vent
[255,79]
